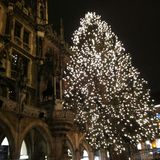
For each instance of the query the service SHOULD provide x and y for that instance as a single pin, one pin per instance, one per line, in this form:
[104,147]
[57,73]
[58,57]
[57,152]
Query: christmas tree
[110,100]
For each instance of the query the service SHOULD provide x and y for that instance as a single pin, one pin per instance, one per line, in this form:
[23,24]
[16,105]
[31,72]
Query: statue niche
[47,77]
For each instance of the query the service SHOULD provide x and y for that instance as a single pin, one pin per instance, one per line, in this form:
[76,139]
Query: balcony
[62,121]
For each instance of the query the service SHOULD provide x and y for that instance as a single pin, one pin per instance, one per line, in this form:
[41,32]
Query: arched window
[148,145]
[158,143]
[85,155]
[23,152]
[69,154]
[42,15]
[139,146]
[5,142]
[97,155]
[4,149]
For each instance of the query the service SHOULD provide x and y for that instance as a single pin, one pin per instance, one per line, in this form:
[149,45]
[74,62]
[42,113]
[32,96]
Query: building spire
[42,12]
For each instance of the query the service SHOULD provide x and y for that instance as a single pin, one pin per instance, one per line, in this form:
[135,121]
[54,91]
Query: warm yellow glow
[154,144]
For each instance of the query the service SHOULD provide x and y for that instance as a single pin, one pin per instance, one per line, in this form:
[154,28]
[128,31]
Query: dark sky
[135,22]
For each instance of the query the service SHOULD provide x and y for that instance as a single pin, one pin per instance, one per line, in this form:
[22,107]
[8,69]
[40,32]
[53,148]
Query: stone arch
[82,137]
[42,130]
[70,146]
[7,130]
[70,142]
[84,144]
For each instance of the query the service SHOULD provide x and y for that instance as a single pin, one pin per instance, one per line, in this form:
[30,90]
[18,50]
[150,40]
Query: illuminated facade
[32,56]
[149,150]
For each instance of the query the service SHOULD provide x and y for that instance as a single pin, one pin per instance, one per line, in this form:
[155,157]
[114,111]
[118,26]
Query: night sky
[135,22]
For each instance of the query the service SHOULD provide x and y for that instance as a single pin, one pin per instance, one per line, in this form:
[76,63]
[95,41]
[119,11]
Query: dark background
[135,22]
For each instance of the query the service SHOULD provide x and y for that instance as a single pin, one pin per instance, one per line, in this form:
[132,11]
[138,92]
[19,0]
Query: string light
[105,90]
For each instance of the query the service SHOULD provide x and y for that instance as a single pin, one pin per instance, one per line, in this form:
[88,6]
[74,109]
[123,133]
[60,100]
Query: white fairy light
[105,90]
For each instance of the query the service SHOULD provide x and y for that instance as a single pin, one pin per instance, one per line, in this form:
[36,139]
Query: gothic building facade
[33,124]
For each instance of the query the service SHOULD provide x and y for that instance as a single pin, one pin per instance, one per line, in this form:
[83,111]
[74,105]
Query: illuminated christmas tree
[110,100]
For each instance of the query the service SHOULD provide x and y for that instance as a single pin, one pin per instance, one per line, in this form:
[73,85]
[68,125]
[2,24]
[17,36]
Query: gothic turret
[42,12]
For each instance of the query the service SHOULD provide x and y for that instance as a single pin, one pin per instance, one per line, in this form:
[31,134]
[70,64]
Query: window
[158,143]
[148,145]
[85,155]
[22,36]
[17,33]
[14,63]
[97,155]
[23,153]
[12,94]
[5,142]
[19,65]
[42,12]
[17,30]
[26,38]
[4,148]
[139,146]
[69,154]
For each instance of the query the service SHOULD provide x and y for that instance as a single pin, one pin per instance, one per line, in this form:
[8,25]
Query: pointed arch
[7,131]
[23,151]
[70,146]
[5,142]
[43,130]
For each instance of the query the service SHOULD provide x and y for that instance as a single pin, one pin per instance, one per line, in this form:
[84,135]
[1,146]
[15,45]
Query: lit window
[69,154]
[158,143]
[85,155]
[154,144]
[148,145]
[97,155]
[4,148]
[23,153]
[139,146]
[19,64]
[5,142]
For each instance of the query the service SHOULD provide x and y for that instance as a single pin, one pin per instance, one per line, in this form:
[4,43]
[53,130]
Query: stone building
[33,124]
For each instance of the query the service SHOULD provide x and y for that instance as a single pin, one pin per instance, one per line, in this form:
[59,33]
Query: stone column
[15,147]
[14,153]
[8,64]
[91,155]
[61,123]
[58,142]
[77,154]
[14,156]
[104,155]
[30,72]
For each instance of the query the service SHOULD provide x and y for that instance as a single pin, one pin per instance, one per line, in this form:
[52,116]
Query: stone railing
[32,111]
[60,115]
[62,121]
[28,111]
